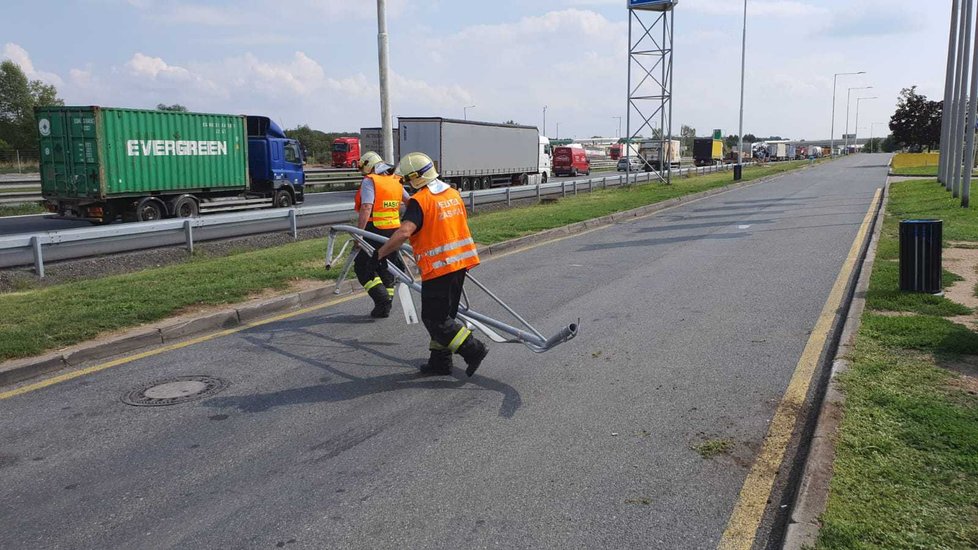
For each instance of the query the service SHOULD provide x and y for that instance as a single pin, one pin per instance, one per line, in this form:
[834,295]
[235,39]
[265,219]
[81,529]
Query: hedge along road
[693,321]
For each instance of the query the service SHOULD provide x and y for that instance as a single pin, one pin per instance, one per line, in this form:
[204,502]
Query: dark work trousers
[439,305]
[361,264]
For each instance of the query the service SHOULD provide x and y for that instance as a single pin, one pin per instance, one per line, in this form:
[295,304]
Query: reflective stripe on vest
[387,202]
[444,244]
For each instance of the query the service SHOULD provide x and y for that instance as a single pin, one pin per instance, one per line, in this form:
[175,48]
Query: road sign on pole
[652,5]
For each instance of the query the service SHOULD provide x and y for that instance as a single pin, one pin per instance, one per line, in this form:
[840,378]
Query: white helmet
[368,161]
[417,169]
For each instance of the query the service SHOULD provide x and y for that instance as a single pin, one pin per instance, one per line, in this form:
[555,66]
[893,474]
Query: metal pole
[18,162]
[743,67]
[545,116]
[38,256]
[383,48]
[188,231]
[835,80]
[672,35]
[846,137]
[294,224]
[855,137]
[628,95]
[957,143]
[969,125]
[955,97]
[952,43]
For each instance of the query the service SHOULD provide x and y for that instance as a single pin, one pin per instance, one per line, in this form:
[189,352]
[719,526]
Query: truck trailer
[707,151]
[650,156]
[102,164]
[478,155]
[777,151]
[372,139]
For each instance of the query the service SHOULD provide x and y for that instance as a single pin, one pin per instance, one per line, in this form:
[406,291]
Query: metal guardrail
[71,244]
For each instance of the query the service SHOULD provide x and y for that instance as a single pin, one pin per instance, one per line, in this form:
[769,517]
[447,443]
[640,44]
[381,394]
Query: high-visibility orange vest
[387,201]
[444,244]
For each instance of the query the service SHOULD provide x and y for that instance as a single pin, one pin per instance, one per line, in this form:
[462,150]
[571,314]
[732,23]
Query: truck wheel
[283,199]
[544,178]
[149,209]
[487,182]
[186,207]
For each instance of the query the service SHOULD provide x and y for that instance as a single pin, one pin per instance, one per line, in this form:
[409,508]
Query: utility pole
[743,67]
[544,121]
[619,125]
[957,141]
[387,132]
[969,129]
[855,138]
[948,94]
[835,80]
[848,101]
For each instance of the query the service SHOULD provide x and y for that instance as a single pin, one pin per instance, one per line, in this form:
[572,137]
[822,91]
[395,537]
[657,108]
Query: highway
[693,321]
[45,222]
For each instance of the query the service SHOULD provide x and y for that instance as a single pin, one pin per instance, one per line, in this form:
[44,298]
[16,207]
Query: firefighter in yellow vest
[378,203]
[435,222]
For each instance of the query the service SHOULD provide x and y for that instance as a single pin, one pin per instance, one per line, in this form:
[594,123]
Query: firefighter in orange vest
[435,222]
[378,203]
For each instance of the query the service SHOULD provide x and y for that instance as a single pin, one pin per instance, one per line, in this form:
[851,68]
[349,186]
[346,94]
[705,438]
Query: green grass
[906,467]
[21,209]
[713,448]
[40,319]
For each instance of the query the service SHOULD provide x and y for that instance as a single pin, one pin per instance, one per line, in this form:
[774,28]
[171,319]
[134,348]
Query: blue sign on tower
[652,5]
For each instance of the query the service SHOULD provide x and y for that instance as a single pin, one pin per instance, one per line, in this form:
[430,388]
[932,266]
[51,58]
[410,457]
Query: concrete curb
[172,330]
[811,499]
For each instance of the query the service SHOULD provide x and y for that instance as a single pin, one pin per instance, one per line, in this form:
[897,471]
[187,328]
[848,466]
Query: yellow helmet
[368,161]
[417,169]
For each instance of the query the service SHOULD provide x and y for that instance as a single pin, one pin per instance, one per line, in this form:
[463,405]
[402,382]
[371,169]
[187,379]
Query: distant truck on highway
[707,151]
[777,151]
[571,161]
[345,152]
[101,164]
[619,150]
[650,154]
[478,155]
[371,139]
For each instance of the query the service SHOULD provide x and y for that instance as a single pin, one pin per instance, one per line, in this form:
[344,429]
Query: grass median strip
[21,209]
[906,467]
[36,320]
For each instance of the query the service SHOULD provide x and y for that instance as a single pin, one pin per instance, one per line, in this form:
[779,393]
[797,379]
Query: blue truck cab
[274,161]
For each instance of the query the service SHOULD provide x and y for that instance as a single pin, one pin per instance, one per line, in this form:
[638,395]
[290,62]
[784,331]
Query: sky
[315,61]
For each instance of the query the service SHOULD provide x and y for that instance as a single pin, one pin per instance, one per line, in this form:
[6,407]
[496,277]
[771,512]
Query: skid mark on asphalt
[752,503]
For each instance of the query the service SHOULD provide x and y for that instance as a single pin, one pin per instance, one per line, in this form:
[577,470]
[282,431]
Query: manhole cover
[174,390]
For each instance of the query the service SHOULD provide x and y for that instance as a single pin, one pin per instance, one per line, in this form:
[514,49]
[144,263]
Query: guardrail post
[509,196]
[538,192]
[590,185]
[38,256]
[472,200]
[575,188]
[563,188]
[188,230]
[604,182]
[294,224]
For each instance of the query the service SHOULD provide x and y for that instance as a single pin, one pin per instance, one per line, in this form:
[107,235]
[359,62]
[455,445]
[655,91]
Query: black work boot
[382,303]
[439,363]
[473,351]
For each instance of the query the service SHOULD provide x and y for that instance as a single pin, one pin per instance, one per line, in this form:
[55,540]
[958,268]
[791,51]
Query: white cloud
[19,55]
[764,8]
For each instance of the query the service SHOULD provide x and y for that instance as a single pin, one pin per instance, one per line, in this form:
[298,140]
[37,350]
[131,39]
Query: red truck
[346,152]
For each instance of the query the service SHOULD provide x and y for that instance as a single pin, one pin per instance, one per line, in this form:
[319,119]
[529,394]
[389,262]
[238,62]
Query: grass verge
[906,467]
[21,209]
[36,320]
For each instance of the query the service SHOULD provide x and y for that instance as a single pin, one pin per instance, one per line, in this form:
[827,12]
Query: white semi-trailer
[478,155]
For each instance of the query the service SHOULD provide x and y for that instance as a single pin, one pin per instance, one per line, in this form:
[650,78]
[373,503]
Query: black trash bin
[920,256]
[738,172]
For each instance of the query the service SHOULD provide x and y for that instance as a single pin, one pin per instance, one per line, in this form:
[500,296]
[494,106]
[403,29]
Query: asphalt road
[13,225]
[692,323]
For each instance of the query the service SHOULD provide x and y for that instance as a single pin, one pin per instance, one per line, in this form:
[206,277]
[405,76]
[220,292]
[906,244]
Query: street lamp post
[619,125]
[743,68]
[835,79]
[383,54]
[558,131]
[848,101]
[465,111]
[855,139]
[544,121]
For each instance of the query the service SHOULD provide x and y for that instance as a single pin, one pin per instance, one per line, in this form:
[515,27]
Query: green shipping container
[100,153]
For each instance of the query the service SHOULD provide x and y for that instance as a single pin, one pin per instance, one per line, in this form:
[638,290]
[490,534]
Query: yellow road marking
[171,347]
[746,518]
